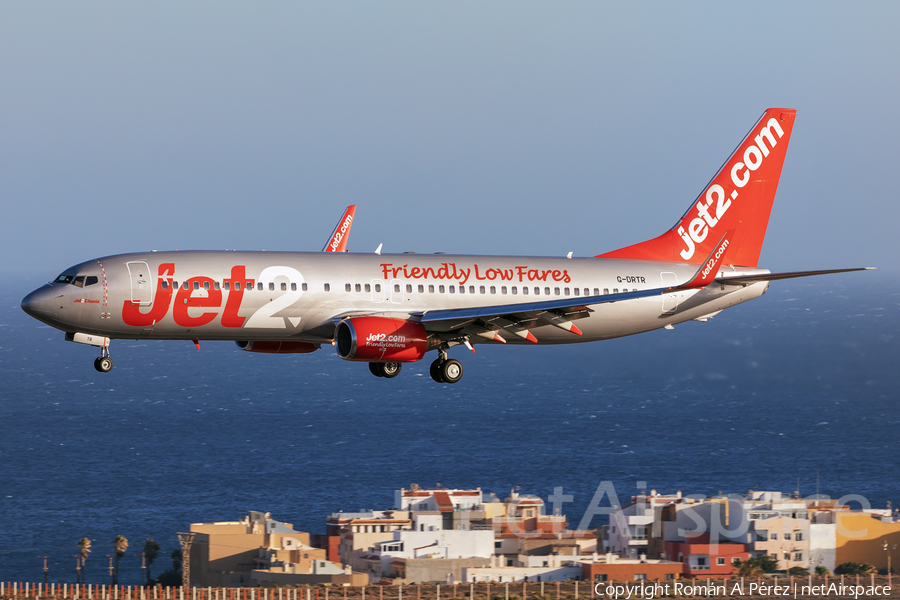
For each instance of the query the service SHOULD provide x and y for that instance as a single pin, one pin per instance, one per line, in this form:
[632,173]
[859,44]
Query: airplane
[386,310]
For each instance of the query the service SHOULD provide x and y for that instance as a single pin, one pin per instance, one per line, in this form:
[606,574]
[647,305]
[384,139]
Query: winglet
[709,270]
[338,240]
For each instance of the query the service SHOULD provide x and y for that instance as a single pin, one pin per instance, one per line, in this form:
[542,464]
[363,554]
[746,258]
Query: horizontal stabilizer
[776,276]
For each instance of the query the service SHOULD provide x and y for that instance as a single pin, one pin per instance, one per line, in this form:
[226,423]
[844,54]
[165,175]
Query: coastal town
[452,536]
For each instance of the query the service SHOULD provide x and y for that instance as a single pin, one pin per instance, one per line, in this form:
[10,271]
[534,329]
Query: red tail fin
[338,240]
[738,198]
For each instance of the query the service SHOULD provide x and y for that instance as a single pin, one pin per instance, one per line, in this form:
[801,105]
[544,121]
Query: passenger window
[565,291]
[481,288]
[249,285]
[304,287]
[347,287]
[524,290]
[577,292]
[430,289]
[605,290]
[216,285]
[79,281]
[165,285]
[514,290]
[368,287]
[293,287]
[587,292]
[358,287]
[174,285]
[452,289]
[205,285]
[421,289]
[91,280]
[396,287]
[537,291]
[227,285]
[271,286]
[503,289]
[615,290]
[197,285]
[327,287]
[471,289]
[462,289]
[283,287]
[377,287]
[259,286]
[493,289]
[441,289]
[408,288]
[547,291]
[185,285]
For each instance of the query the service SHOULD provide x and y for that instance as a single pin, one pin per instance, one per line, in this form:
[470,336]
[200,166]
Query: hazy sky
[488,127]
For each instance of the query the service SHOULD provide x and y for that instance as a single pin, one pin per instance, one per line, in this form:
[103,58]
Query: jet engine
[274,347]
[380,339]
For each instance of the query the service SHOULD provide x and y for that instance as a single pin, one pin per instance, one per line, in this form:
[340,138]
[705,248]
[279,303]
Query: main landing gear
[388,370]
[446,370]
[103,363]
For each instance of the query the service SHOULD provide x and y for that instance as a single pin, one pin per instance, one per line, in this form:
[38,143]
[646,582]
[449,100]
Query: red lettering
[567,279]
[237,282]
[521,271]
[416,273]
[184,300]
[131,313]
[478,275]
[385,270]
[557,275]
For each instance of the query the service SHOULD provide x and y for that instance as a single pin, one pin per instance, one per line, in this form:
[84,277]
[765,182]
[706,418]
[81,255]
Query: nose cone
[42,303]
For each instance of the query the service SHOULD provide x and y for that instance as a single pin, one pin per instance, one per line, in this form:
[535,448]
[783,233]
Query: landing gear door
[141,283]
[669,301]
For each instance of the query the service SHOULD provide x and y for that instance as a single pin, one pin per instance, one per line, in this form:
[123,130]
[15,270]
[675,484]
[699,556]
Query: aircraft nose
[41,303]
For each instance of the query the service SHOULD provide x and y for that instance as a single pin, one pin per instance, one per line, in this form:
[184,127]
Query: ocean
[797,389]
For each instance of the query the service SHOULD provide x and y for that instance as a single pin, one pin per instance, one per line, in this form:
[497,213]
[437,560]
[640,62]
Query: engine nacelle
[271,347]
[380,339]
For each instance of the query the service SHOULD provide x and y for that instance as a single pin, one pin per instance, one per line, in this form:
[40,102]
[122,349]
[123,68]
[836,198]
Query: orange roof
[443,501]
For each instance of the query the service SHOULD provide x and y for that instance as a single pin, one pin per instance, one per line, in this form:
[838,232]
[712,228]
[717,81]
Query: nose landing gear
[388,370]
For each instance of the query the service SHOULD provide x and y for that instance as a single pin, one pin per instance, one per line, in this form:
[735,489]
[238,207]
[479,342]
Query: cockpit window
[65,279]
[79,281]
[91,280]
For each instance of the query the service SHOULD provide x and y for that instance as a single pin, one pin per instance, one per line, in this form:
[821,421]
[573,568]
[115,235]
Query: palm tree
[121,545]
[151,551]
[84,548]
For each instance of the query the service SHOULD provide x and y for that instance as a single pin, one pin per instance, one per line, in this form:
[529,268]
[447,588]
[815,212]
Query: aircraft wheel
[377,369]
[436,371]
[104,364]
[391,369]
[452,370]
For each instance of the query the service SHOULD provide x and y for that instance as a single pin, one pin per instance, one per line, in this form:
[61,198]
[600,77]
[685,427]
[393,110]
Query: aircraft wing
[491,321]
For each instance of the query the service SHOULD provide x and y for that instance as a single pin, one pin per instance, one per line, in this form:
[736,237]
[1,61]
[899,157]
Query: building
[613,568]
[229,553]
[700,559]
[629,528]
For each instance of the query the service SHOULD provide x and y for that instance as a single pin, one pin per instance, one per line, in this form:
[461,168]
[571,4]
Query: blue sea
[797,388]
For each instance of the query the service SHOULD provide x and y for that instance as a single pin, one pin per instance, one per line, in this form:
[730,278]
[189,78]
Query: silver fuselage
[300,296]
